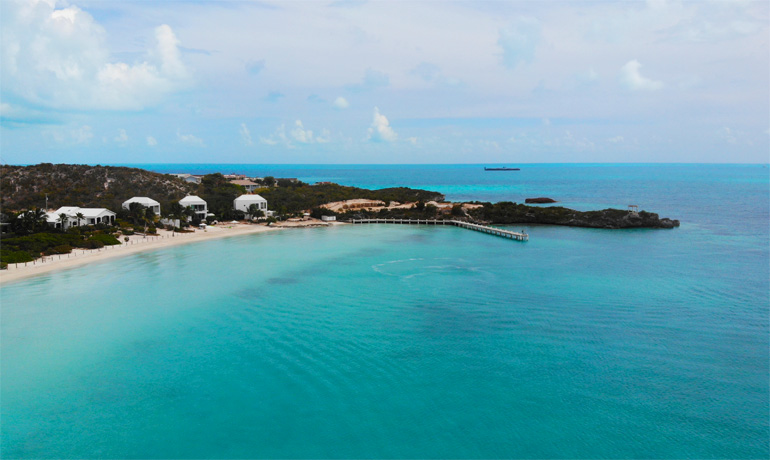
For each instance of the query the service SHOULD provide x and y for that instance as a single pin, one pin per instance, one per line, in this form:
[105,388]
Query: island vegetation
[27,235]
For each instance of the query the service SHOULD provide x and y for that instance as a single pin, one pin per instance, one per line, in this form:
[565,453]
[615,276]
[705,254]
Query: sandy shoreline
[136,244]
[139,243]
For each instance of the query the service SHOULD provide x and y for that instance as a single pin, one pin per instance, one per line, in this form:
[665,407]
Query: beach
[137,243]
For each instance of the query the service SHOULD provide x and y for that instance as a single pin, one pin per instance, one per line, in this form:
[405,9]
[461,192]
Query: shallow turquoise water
[396,341]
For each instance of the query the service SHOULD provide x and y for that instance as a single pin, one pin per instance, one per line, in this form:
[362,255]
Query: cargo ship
[501,169]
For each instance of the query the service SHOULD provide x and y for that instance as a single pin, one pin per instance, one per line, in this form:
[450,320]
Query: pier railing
[519,236]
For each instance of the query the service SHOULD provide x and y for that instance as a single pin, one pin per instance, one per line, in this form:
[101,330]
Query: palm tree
[63,218]
[80,217]
[254,211]
[175,212]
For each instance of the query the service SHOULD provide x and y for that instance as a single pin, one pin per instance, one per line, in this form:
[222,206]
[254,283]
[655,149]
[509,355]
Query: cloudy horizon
[384,82]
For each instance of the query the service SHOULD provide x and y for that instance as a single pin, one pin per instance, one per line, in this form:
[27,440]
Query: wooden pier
[519,236]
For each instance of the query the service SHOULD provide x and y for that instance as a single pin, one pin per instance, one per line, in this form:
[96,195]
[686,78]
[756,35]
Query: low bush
[61,249]
[92,244]
[106,240]
[15,257]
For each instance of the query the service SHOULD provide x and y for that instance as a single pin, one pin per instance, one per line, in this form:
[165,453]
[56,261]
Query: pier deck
[519,236]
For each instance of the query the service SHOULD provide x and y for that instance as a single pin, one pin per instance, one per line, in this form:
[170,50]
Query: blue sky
[384,82]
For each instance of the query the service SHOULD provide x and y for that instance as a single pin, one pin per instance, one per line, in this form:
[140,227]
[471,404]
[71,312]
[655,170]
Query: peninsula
[31,229]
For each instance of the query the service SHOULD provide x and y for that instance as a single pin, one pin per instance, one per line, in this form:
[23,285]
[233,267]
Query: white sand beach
[136,243]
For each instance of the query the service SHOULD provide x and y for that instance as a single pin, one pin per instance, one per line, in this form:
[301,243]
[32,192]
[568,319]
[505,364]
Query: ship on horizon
[501,169]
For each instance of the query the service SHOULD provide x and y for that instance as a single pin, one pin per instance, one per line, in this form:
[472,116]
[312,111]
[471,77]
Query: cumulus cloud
[380,130]
[728,135]
[632,78]
[519,41]
[278,136]
[341,103]
[616,140]
[83,135]
[245,134]
[122,137]
[151,141]
[59,58]
[190,139]
[297,135]
[300,134]
[325,137]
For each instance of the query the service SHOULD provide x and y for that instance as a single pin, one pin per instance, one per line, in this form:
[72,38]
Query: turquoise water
[397,341]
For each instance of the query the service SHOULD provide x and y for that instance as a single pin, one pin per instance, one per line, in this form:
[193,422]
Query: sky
[399,81]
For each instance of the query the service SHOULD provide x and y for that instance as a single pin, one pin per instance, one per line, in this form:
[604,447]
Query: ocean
[383,341]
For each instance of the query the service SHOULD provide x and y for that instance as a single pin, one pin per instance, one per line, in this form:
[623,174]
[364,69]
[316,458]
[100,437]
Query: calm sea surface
[391,341]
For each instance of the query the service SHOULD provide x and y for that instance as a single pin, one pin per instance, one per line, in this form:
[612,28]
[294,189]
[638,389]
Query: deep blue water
[390,341]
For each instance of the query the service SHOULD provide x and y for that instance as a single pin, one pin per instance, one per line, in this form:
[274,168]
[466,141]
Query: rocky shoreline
[512,213]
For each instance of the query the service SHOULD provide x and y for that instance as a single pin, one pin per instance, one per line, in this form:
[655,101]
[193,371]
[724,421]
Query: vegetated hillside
[300,196]
[506,212]
[25,187]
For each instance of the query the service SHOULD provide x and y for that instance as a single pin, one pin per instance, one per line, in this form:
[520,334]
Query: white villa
[247,184]
[197,204]
[189,178]
[243,202]
[91,216]
[144,201]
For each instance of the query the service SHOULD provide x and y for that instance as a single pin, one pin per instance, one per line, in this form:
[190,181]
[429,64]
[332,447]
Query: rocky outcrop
[540,200]
[512,213]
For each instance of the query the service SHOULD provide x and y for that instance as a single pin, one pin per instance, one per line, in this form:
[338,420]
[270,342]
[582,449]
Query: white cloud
[122,137]
[380,130]
[616,140]
[325,137]
[83,135]
[59,58]
[245,134]
[189,139]
[728,135]
[151,141]
[300,134]
[412,140]
[519,41]
[341,103]
[279,136]
[634,80]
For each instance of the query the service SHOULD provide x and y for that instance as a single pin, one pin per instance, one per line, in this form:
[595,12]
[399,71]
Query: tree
[80,217]
[254,211]
[271,220]
[175,211]
[269,181]
[63,218]
[136,211]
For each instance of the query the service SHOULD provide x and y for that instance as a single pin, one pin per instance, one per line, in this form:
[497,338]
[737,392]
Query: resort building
[88,216]
[197,204]
[189,178]
[144,201]
[247,184]
[243,202]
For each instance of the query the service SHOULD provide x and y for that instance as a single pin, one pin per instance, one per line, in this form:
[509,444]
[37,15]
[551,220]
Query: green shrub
[15,257]
[106,240]
[92,244]
[61,249]
[152,230]
[128,232]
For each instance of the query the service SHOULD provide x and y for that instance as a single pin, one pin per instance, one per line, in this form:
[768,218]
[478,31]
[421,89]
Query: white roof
[143,200]
[191,199]
[250,198]
[72,211]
